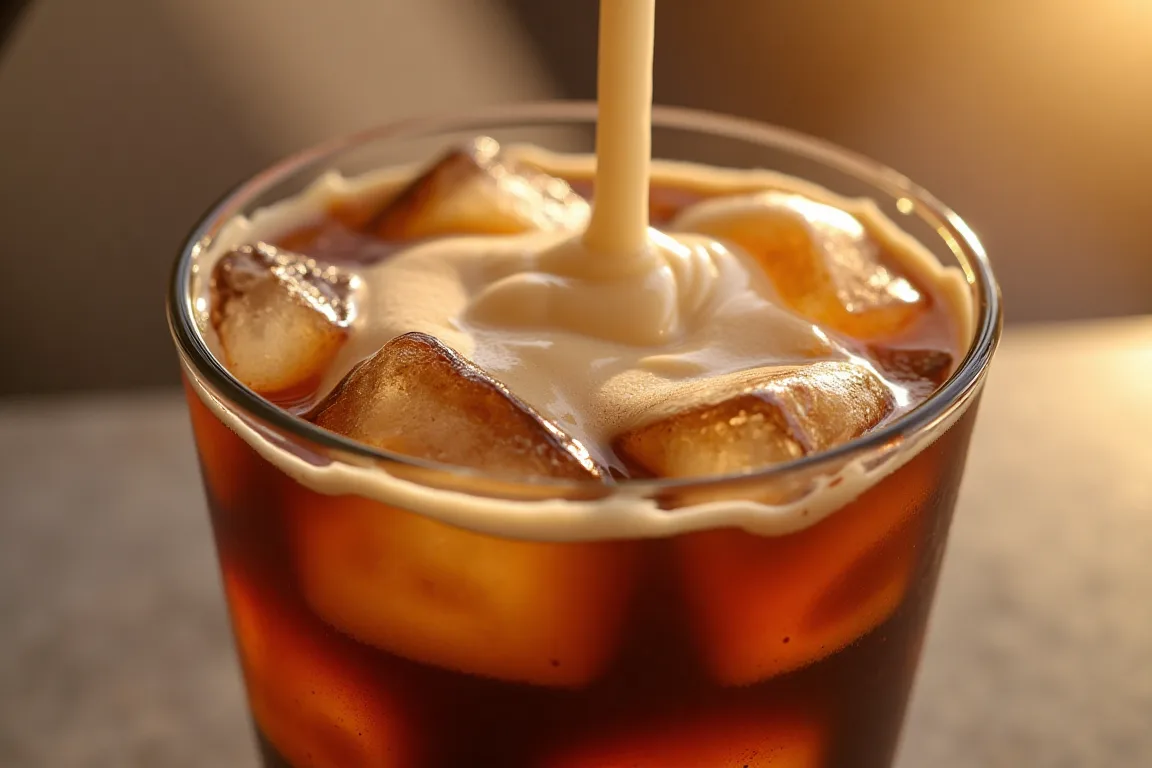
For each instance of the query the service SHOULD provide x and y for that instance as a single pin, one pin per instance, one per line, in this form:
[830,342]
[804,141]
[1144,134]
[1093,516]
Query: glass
[710,648]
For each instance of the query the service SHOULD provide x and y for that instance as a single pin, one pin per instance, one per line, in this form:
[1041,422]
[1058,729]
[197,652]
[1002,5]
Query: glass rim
[952,229]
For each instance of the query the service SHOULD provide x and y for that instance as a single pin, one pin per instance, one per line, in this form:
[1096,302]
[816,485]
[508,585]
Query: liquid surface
[598,356]
[516,334]
[554,339]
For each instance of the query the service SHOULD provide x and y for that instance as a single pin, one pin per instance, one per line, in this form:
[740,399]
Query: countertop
[114,649]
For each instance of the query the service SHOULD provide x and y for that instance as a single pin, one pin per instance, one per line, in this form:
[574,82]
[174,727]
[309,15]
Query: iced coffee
[522,458]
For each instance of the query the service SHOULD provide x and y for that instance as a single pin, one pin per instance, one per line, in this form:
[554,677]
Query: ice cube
[930,367]
[758,420]
[316,696]
[755,737]
[765,606]
[418,397]
[544,613]
[478,190]
[280,317]
[336,243]
[822,260]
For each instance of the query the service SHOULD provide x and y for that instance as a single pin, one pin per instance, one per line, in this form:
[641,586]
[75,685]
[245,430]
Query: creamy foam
[592,384]
[556,341]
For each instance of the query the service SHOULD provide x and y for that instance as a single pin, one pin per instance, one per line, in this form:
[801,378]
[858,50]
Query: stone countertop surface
[115,653]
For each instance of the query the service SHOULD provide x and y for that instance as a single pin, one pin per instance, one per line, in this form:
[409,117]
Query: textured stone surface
[1040,648]
[114,646]
[114,649]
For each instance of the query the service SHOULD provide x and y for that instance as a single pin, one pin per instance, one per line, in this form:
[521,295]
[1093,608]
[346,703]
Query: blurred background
[122,120]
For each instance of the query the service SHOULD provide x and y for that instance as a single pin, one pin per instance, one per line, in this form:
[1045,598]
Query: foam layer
[719,318]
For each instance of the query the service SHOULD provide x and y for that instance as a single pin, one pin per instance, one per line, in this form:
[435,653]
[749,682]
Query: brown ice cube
[765,419]
[763,606]
[478,190]
[823,262]
[418,397]
[280,317]
[539,612]
[928,367]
